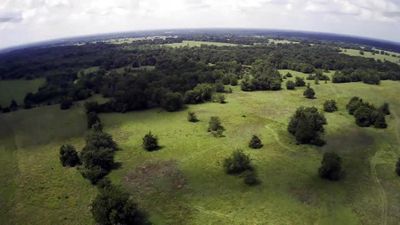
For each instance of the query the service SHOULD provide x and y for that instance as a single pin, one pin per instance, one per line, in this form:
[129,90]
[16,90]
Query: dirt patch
[156,176]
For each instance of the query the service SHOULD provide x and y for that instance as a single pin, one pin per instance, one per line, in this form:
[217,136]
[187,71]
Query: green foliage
[309,93]
[192,117]
[150,142]
[385,108]
[219,87]
[255,142]
[330,106]
[66,103]
[331,166]
[200,93]
[290,85]
[398,167]
[215,126]
[92,118]
[69,156]
[307,125]
[380,121]
[237,163]
[251,179]
[220,98]
[112,206]
[172,102]
[354,104]
[366,114]
[300,82]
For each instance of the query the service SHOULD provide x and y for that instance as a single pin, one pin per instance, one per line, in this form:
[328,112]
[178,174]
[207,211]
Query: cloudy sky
[25,21]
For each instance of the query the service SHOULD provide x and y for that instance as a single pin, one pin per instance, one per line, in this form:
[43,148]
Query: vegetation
[150,142]
[331,166]
[255,142]
[215,126]
[290,85]
[366,114]
[237,163]
[309,93]
[69,156]
[192,117]
[307,125]
[330,106]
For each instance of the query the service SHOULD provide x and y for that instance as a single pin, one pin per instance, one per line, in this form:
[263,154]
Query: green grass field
[198,44]
[281,41]
[184,183]
[17,89]
[391,58]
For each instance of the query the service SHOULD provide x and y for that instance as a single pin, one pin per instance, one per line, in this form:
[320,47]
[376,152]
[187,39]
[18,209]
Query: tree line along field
[389,56]
[184,183]
[17,89]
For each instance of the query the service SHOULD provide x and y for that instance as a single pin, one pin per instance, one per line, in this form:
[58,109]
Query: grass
[390,57]
[184,183]
[198,44]
[281,41]
[17,89]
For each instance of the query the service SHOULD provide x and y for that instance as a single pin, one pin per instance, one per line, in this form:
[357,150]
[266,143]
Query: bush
[364,116]
[215,127]
[290,85]
[288,74]
[219,87]
[300,82]
[150,142]
[330,106]
[93,174]
[66,103]
[172,102]
[353,104]
[13,105]
[234,81]
[113,207]
[307,125]
[69,156]
[255,142]
[380,121]
[385,108]
[92,119]
[331,168]
[220,98]
[309,93]
[192,117]
[100,140]
[237,163]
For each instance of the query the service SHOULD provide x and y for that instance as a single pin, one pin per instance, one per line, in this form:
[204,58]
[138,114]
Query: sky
[27,21]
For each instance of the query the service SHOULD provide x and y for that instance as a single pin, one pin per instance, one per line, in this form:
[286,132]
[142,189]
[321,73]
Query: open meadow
[184,182]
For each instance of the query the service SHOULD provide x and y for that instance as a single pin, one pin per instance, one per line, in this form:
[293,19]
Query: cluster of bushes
[330,106]
[366,114]
[366,76]
[215,127]
[264,77]
[239,163]
[307,126]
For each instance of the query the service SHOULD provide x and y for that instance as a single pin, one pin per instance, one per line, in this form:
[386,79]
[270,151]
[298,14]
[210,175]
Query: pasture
[184,183]
[390,57]
[17,89]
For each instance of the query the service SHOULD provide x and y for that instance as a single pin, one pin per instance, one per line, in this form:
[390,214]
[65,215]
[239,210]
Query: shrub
[300,82]
[255,142]
[69,156]
[309,93]
[385,108]
[380,121]
[150,142]
[192,117]
[220,98]
[331,168]
[13,105]
[290,85]
[92,119]
[113,206]
[330,106]
[288,74]
[364,116]
[172,102]
[219,87]
[100,140]
[234,81]
[306,125]
[215,127]
[237,163]
[353,104]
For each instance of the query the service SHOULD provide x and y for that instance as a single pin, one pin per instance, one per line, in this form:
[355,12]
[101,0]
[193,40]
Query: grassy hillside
[184,183]
[17,89]
[391,58]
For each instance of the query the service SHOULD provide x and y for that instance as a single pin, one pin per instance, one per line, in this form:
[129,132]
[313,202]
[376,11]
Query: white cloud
[24,21]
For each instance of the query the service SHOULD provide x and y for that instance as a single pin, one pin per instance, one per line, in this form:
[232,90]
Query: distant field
[198,44]
[390,57]
[282,41]
[183,183]
[17,89]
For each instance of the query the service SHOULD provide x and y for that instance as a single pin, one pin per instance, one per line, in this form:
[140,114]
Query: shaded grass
[17,89]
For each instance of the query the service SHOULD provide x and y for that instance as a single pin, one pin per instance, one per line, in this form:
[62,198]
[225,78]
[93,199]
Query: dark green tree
[92,118]
[150,142]
[379,120]
[237,163]
[69,156]
[172,102]
[192,117]
[331,166]
[300,82]
[309,93]
[255,142]
[290,85]
[353,105]
[330,106]
[364,116]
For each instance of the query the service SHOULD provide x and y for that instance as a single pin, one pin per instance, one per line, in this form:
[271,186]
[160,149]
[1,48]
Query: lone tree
[330,106]
[290,85]
[255,142]
[300,82]
[237,163]
[215,127]
[192,117]
[220,98]
[398,167]
[69,156]
[150,142]
[309,93]
[307,125]
[331,166]
[112,206]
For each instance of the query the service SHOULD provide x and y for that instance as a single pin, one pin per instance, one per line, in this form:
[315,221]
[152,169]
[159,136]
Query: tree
[364,116]
[192,117]
[380,121]
[172,102]
[353,104]
[288,74]
[234,81]
[385,108]
[219,87]
[255,142]
[150,142]
[330,106]
[300,82]
[100,140]
[331,166]
[69,156]
[398,167]
[290,85]
[112,206]
[215,127]
[66,103]
[237,163]
[307,126]
[309,93]
[92,119]
[220,98]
